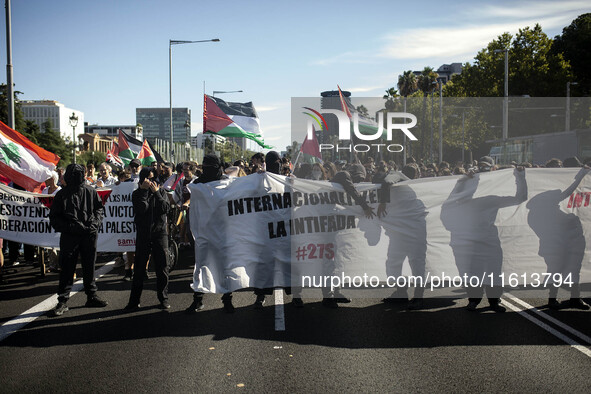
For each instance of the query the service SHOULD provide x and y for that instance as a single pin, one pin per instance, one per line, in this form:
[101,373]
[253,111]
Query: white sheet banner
[528,229]
[24,217]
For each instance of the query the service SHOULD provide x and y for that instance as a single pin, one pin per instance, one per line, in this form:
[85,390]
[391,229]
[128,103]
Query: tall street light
[567,117]
[440,121]
[170,44]
[73,123]
[505,100]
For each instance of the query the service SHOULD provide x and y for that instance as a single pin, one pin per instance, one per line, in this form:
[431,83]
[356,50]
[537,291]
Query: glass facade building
[156,123]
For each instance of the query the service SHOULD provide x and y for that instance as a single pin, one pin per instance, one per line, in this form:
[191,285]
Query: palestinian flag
[128,149]
[113,155]
[366,125]
[146,156]
[23,162]
[232,120]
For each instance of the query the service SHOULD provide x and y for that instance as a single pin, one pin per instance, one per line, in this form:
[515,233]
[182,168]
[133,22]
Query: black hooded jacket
[77,208]
[354,173]
[150,207]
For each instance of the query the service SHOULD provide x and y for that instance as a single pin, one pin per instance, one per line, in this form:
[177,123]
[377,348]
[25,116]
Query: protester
[51,186]
[105,178]
[77,213]
[150,206]
[212,171]
[135,167]
[182,198]
[90,178]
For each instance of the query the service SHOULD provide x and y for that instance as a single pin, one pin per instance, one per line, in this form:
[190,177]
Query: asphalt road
[365,346]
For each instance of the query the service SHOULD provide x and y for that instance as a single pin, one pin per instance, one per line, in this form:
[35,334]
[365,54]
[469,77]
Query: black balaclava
[74,175]
[273,162]
[145,173]
[212,169]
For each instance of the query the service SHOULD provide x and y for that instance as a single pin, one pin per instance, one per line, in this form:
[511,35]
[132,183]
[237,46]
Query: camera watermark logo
[363,129]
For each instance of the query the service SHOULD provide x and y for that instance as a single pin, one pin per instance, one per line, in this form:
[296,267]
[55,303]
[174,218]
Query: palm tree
[407,84]
[390,96]
[426,83]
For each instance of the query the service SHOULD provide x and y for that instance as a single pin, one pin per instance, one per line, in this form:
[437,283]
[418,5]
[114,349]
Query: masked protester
[77,213]
[151,206]
[212,171]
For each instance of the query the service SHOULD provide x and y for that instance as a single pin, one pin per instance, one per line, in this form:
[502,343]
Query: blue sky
[108,57]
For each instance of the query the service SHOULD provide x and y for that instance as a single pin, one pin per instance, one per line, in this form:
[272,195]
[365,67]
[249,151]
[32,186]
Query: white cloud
[456,42]
[365,89]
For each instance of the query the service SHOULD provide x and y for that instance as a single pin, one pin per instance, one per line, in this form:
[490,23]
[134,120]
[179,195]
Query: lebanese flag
[23,162]
[146,156]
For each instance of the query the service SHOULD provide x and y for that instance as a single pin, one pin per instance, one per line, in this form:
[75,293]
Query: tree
[574,45]
[426,82]
[20,123]
[407,84]
[534,69]
[362,111]
[52,141]
[390,96]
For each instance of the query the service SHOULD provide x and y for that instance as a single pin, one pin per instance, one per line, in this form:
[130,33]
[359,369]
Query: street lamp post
[505,100]
[73,123]
[440,121]
[567,115]
[170,44]
[188,143]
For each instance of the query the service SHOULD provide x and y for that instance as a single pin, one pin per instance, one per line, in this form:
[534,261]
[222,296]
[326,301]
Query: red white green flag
[23,162]
[126,151]
[146,155]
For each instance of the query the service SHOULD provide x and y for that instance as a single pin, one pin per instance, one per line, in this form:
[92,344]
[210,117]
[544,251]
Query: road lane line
[574,344]
[279,310]
[550,318]
[12,326]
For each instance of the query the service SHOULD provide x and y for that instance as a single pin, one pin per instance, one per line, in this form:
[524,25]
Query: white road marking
[279,310]
[550,318]
[12,326]
[574,344]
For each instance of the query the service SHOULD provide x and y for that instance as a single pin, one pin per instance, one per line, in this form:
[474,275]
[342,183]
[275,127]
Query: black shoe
[128,275]
[228,307]
[495,306]
[391,300]
[297,302]
[95,302]
[329,303]
[258,304]
[164,304]
[553,304]
[196,306]
[472,306]
[415,304]
[576,303]
[60,309]
[341,299]
[132,307]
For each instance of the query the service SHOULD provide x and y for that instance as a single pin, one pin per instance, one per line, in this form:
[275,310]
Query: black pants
[157,246]
[70,247]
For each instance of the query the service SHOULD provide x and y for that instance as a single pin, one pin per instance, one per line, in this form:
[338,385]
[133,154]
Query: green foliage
[407,83]
[91,157]
[18,113]
[534,69]
[575,46]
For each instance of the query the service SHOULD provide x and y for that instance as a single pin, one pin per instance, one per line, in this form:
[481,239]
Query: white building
[39,111]
[200,138]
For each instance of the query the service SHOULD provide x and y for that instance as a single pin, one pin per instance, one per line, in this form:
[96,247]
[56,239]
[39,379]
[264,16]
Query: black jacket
[77,208]
[150,211]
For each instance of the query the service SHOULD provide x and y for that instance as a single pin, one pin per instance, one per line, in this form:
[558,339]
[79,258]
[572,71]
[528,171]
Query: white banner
[24,217]
[514,229]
